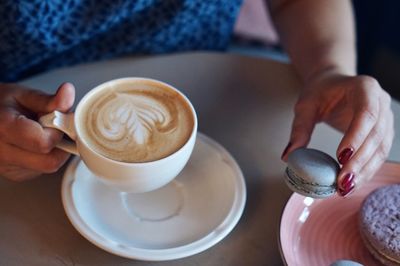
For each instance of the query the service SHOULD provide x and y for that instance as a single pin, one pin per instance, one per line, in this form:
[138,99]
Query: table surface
[244,103]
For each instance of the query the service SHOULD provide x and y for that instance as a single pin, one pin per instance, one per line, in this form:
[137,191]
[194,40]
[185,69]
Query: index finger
[366,112]
[27,134]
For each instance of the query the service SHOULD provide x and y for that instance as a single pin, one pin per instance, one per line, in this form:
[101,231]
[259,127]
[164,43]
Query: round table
[244,103]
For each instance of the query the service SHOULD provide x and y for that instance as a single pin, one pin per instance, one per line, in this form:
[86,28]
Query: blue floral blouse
[37,35]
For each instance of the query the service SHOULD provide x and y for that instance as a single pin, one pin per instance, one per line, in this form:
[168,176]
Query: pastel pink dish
[319,232]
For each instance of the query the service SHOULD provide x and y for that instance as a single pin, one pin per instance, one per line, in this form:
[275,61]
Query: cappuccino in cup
[135,134]
[136,122]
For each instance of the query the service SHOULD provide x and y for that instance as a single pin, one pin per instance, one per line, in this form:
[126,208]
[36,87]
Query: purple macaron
[380,224]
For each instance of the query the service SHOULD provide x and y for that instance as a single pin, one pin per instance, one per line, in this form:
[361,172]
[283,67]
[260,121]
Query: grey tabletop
[244,103]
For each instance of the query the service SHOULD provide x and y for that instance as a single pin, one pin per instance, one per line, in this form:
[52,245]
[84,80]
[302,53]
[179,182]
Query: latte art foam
[132,118]
[137,123]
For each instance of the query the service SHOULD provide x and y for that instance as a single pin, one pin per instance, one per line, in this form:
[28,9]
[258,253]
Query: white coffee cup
[124,176]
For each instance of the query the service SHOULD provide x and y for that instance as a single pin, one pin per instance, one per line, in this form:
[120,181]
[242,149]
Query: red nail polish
[345,192]
[286,150]
[346,181]
[345,155]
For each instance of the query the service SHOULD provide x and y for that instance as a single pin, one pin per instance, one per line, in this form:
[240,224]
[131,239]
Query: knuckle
[382,152]
[355,165]
[52,165]
[368,82]
[44,145]
[377,134]
[387,99]
[361,179]
[357,138]
[386,146]
[369,113]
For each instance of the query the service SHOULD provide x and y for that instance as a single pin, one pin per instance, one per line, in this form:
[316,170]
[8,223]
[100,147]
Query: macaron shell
[379,220]
[377,254]
[308,190]
[314,166]
[311,173]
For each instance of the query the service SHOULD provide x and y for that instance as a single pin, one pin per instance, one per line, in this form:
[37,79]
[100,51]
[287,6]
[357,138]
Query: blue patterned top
[37,35]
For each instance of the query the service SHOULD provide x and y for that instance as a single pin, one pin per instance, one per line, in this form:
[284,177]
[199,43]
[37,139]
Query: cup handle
[64,123]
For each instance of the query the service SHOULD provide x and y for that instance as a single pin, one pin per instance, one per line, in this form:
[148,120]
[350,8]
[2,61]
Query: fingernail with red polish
[347,187]
[286,150]
[346,181]
[345,155]
[346,192]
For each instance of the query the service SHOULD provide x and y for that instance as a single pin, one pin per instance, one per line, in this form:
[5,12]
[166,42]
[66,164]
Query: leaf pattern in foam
[131,116]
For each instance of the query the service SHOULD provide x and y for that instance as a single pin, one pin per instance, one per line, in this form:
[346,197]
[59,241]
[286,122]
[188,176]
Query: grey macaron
[311,173]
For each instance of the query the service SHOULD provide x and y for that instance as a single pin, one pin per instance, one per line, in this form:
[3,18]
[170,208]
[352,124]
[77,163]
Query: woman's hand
[355,105]
[26,148]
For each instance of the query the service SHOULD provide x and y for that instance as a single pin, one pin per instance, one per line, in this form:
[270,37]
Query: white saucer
[189,215]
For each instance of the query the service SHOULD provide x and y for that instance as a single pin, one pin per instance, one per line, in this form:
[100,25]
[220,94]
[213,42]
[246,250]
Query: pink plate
[319,232]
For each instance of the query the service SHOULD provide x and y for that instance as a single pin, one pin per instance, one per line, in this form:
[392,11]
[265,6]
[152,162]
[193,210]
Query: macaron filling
[379,255]
[308,188]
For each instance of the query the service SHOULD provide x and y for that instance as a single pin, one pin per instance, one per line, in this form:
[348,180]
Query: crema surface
[136,122]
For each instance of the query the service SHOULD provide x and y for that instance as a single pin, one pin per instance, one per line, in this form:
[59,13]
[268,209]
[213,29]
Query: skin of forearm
[318,35]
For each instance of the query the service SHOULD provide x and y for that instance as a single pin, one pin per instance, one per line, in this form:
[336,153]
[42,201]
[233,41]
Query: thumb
[302,128]
[63,99]
[40,102]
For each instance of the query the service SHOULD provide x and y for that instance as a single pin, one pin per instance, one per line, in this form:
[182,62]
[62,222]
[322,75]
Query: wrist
[327,73]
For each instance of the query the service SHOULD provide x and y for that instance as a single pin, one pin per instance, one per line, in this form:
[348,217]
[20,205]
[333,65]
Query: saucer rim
[207,241]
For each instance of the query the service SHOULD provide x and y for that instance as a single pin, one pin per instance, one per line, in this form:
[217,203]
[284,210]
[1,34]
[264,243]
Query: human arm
[319,37]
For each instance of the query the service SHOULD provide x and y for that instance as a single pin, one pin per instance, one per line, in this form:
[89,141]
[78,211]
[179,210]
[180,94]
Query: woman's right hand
[357,106]
[26,148]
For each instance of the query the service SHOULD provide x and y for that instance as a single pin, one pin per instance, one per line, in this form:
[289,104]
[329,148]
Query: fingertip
[346,193]
[292,145]
[344,154]
[285,152]
[64,97]
[347,182]
[66,93]
[66,87]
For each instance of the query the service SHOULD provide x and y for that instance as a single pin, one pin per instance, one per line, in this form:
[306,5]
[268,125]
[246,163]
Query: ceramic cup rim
[103,86]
